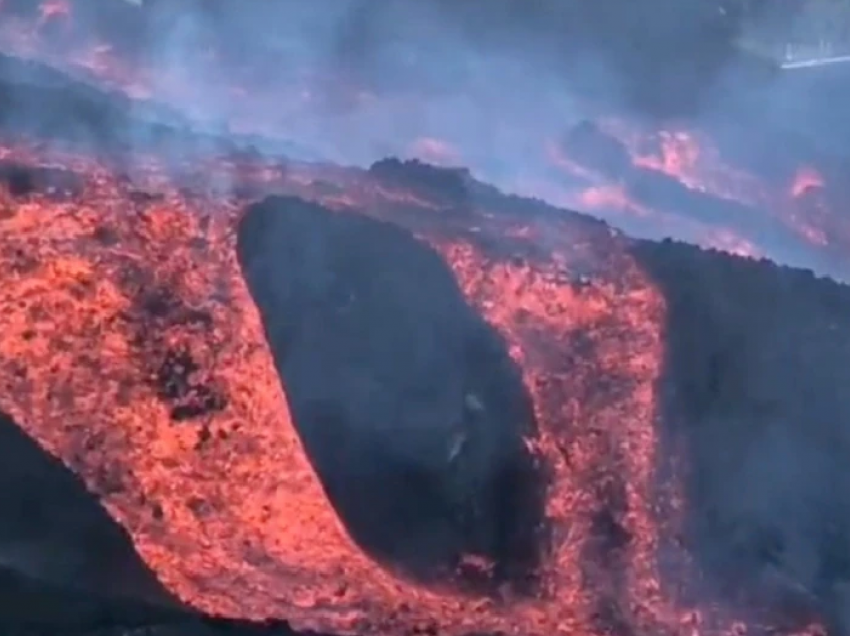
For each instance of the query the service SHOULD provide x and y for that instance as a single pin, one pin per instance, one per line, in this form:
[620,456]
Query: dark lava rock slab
[53,530]
[406,400]
[40,102]
[32,608]
[67,569]
[756,394]
[21,180]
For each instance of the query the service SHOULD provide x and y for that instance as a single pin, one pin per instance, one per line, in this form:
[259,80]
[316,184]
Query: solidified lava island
[407,402]
[396,400]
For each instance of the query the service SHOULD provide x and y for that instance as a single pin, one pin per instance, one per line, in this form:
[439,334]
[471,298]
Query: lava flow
[133,350]
[113,281]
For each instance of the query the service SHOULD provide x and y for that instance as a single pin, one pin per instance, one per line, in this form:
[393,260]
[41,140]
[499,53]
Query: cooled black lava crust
[54,530]
[757,390]
[407,402]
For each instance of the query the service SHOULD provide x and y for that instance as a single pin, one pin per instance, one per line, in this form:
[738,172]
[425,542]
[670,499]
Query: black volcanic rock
[407,401]
[31,606]
[754,393]
[53,530]
[21,180]
[39,102]
[444,183]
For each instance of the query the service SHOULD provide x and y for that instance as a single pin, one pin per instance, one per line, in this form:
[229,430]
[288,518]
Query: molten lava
[133,351]
[114,282]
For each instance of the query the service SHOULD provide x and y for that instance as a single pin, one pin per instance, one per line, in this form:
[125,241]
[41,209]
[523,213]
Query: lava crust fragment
[755,406]
[53,530]
[408,404]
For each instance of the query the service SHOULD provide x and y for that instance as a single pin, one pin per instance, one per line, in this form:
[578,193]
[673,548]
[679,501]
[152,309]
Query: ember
[396,400]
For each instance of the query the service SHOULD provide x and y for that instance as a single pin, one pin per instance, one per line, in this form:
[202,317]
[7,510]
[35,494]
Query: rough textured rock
[757,358]
[407,401]
[753,404]
[53,530]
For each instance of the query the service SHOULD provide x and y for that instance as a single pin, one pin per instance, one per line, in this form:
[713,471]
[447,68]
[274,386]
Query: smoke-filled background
[492,85]
[497,85]
[478,62]
[543,51]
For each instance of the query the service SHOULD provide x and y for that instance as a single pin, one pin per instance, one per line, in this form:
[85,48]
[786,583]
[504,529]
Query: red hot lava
[84,271]
[112,277]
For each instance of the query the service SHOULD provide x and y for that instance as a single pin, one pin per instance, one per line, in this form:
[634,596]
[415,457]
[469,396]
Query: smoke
[358,79]
[485,84]
[355,80]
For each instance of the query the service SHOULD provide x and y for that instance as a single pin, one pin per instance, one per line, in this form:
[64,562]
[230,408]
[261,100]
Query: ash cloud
[356,80]
[494,72]
[485,84]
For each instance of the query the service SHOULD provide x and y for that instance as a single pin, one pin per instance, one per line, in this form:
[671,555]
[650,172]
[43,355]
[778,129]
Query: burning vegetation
[395,400]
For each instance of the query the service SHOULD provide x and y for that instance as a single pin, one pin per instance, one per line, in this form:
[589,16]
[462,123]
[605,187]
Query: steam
[357,80]
[486,84]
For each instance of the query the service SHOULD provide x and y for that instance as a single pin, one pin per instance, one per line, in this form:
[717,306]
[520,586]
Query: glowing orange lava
[239,524]
[228,511]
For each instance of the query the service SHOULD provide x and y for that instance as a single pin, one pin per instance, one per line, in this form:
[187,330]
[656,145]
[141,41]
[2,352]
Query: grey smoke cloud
[487,84]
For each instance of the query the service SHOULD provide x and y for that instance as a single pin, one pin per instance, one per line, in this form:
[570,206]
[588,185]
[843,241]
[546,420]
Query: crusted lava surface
[409,405]
[54,530]
[752,407]
[196,352]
